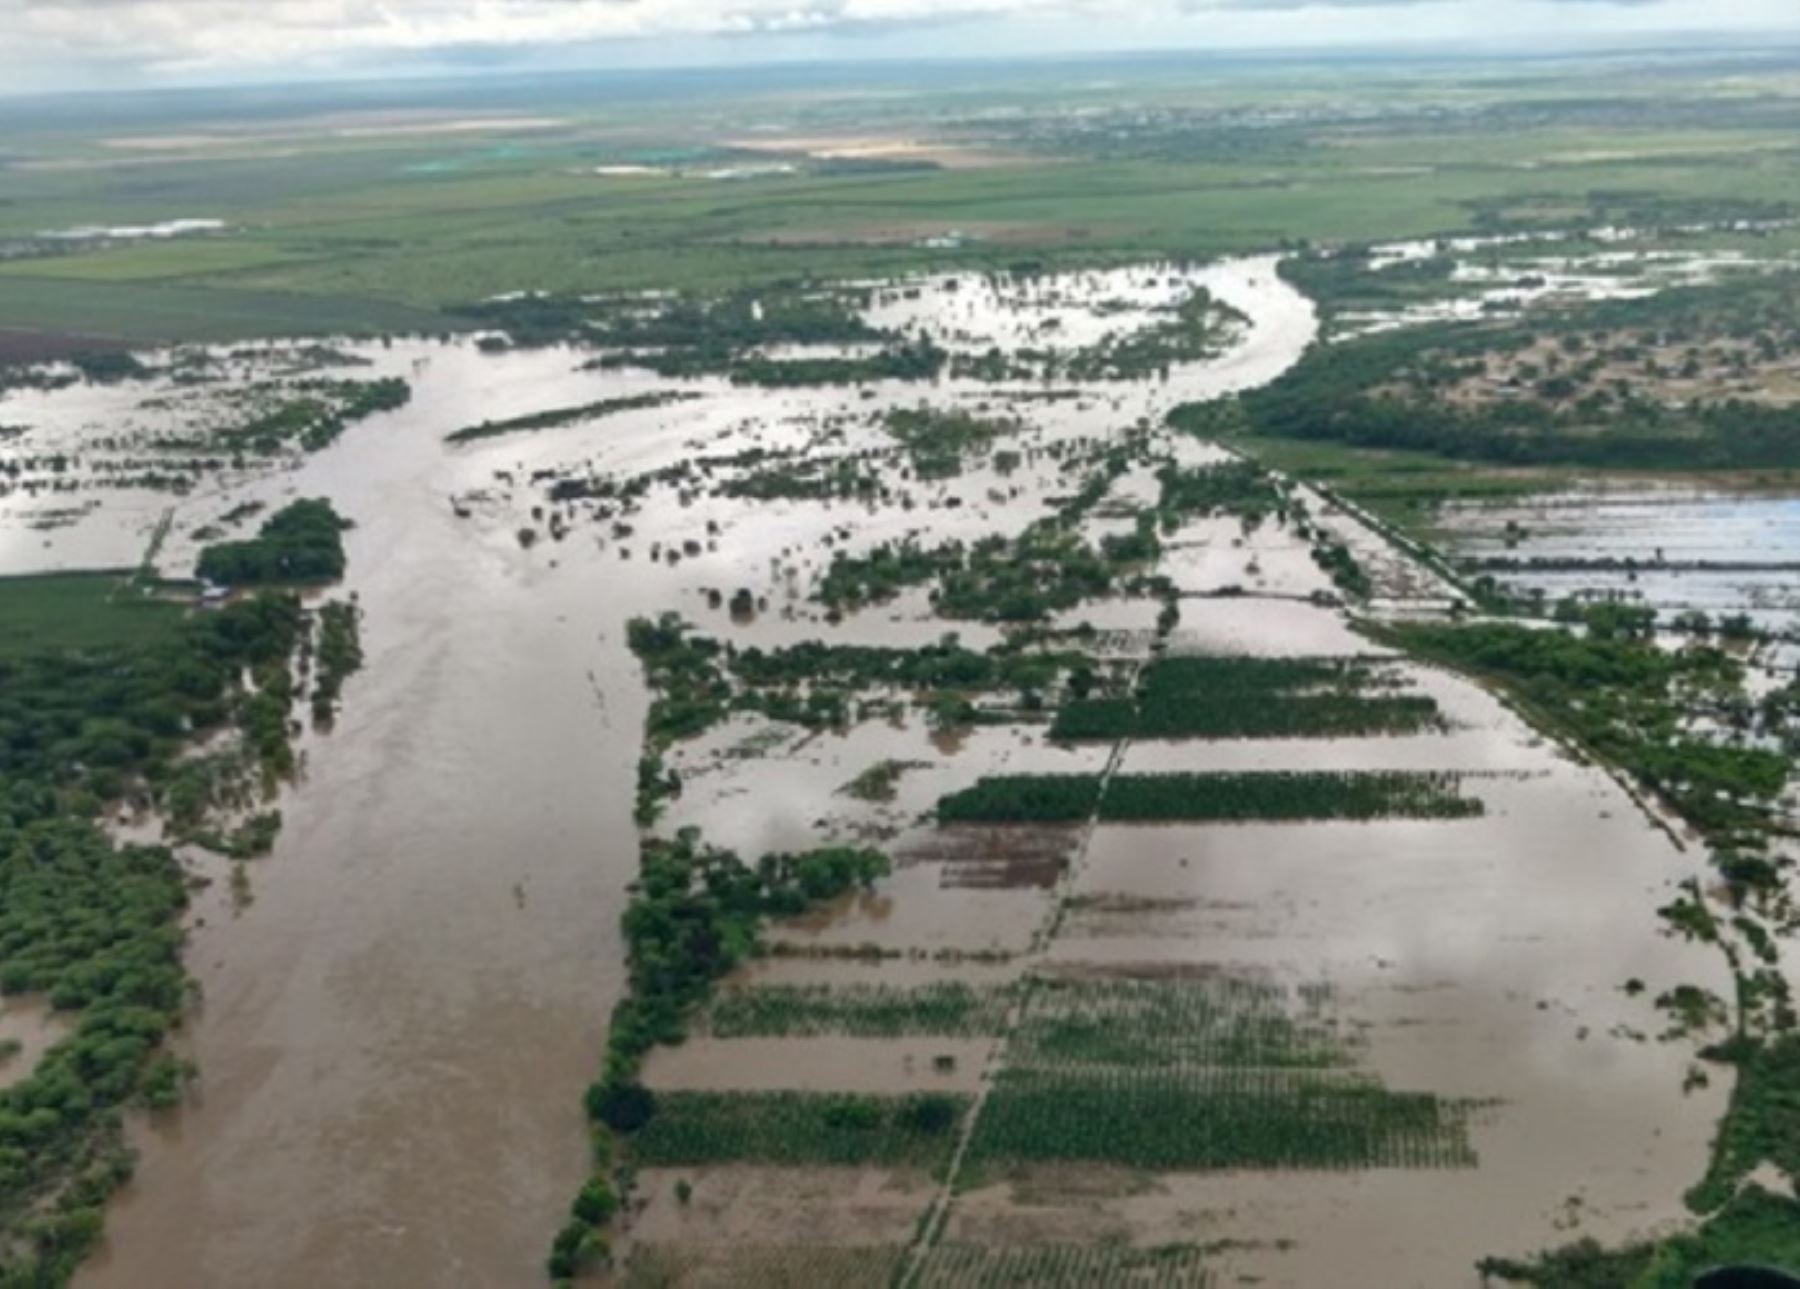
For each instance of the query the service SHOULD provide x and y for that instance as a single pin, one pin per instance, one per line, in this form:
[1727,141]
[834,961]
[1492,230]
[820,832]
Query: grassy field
[361,224]
[57,611]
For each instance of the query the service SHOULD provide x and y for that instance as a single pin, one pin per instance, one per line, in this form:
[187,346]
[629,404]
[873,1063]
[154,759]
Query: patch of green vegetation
[300,543]
[951,1265]
[853,581]
[1023,798]
[306,416]
[800,1128]
[1230,488]
[946,1009]
[1197,328]
[879,781]
[1286,795]
[1172,1120]
[339,655]
[1347,281]
[906,362]
[1077,1022]
[1616,693]
[807,478]
[690,691]
[1597,385]
[252,838]
[89,719]
[938,441]
[1026,578]
[1762,1124]
[557,417]
[1210,798]
[696,682]
[1247,697]
[946,665]
[688,335]
[695,913]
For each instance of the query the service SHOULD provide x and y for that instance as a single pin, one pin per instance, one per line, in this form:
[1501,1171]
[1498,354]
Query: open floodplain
[1151,921]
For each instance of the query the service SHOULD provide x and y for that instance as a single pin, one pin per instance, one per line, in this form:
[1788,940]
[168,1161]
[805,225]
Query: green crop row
[1221,1021]
[1245,714]
[1023,798]
[1190,1120]
[1287,795]
[1244,697]
[799,1128]
[1204,798]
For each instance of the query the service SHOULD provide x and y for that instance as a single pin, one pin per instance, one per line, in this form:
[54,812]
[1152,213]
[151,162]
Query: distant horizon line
[1676,45]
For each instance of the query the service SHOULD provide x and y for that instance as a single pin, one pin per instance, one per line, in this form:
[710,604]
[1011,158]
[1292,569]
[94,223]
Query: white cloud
[210,39]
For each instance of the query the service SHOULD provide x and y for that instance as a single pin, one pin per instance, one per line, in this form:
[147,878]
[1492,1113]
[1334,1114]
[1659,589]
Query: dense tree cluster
[300,543]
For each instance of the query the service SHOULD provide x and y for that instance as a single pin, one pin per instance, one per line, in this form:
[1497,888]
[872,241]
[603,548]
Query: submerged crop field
[906,684]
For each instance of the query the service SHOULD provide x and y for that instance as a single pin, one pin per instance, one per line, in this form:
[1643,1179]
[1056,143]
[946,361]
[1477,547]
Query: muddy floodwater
[396,1023]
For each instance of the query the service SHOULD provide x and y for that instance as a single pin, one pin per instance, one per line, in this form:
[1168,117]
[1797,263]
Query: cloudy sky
[57,44]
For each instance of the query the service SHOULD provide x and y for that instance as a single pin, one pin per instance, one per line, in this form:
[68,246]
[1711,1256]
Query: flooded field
[1676,549]
[398,1018]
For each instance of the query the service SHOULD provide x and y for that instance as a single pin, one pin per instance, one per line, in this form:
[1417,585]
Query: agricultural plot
[1286,795]
[945,1008]
[1034,798]
[692,1128]
[1200,798]
[1213,1019]
[1244,697]
[656,1266]
[1174,1120]
[1062,1266]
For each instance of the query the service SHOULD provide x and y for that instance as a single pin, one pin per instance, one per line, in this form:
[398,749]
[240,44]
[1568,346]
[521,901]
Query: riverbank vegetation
[696,912]
[1622,698]
[104,714]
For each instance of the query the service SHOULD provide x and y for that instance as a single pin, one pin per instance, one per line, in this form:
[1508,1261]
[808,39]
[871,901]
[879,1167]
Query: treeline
[1615,691]
[1247,697]
[325,410]
[695,913]
[560,416]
